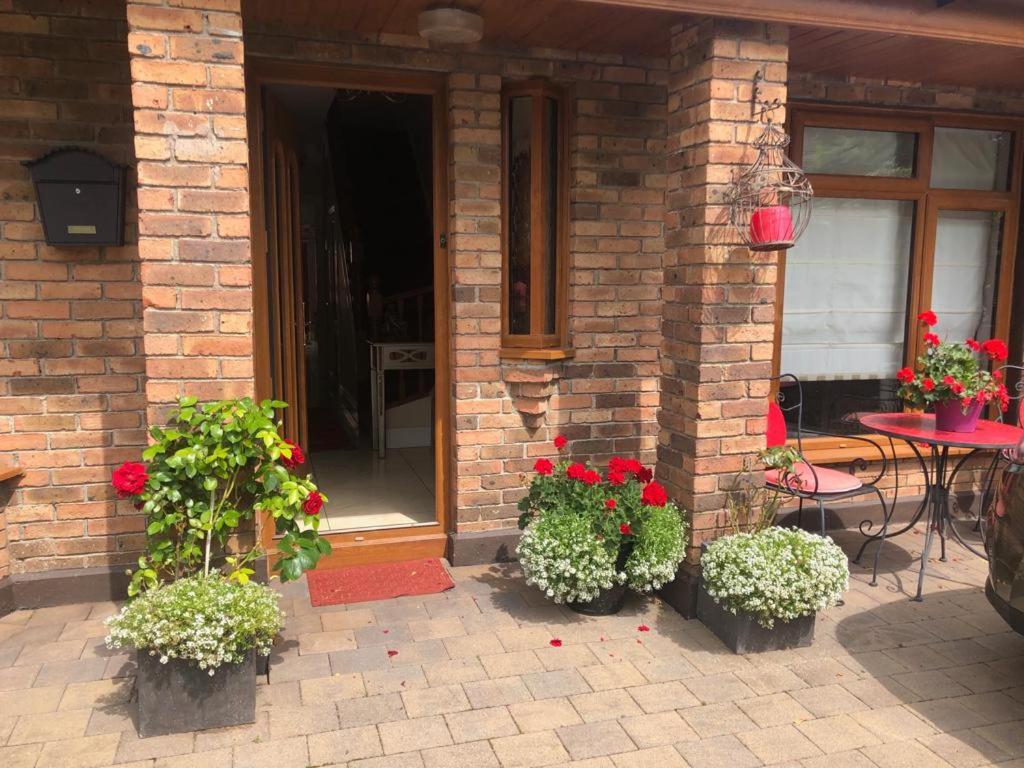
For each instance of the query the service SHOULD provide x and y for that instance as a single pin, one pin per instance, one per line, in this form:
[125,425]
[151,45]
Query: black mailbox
[81,197]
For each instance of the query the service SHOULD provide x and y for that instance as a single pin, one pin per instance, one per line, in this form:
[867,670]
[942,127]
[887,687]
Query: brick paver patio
[475,682]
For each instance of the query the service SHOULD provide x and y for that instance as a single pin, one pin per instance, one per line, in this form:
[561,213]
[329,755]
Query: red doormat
[361,583]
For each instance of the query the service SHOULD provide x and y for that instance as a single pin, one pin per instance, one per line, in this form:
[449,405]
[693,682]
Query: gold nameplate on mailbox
[81,229]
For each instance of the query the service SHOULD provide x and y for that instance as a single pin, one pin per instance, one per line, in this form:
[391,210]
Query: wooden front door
[284,266]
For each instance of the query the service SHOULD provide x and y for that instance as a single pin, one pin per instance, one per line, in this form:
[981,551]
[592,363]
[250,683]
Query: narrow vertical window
[535,219]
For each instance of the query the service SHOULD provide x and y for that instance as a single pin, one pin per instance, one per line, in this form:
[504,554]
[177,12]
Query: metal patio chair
[823,485]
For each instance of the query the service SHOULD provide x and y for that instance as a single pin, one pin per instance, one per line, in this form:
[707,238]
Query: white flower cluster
[775,574]
[208,621]
[561,556]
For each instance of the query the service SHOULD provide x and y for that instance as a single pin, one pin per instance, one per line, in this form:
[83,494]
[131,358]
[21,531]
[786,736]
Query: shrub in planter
[761,590]
[588,537]
[209,479]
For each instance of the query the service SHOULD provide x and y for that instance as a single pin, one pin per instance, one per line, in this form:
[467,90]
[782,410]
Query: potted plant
[589,537]
[196,619]
[760,590]
[950,378]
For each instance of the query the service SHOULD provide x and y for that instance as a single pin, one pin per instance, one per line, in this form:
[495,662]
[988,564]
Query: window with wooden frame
[912,211]
[535,220]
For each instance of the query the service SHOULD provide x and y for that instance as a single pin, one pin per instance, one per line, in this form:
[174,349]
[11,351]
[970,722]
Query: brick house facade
[671,320]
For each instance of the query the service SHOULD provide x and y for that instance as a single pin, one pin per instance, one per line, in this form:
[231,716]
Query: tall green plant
[212,473]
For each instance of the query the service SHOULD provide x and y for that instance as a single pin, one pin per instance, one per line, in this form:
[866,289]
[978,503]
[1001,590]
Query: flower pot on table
[178,696]
[950,416]
[742,633]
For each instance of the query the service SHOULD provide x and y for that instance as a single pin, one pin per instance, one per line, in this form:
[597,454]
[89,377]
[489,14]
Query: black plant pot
[742,634]
[178,696]
[608,601]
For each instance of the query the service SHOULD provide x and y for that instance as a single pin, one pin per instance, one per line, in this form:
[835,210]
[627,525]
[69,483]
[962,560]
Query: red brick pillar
[188,91]
[719,296]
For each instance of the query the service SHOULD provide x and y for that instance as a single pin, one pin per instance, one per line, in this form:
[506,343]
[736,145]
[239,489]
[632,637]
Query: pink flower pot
[771,224]
[950,416]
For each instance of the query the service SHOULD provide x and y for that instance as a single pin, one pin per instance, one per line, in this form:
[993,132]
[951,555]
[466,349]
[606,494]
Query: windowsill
[834,450]
[7,472]
[554,353]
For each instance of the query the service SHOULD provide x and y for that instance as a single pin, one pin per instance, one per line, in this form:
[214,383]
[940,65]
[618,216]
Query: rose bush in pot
[588,536]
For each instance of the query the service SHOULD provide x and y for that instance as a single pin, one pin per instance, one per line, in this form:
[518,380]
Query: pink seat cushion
[801,479]
[776,428]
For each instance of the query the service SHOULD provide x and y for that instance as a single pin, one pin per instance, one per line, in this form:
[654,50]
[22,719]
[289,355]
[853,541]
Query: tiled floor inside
[475,682]
[368,493]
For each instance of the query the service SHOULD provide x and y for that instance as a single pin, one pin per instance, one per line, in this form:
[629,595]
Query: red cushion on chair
[828,480]
[776,433]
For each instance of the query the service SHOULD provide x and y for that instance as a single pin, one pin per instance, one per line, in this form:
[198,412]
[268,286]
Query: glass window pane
[844,317]
[964,158]
[551,213]
[968,246]
[859,153]
[520,121]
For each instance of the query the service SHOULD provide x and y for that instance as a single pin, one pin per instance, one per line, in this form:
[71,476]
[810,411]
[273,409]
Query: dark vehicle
[1005,544]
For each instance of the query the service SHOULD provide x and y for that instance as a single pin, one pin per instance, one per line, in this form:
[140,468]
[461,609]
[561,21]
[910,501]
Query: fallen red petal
[392,653]
[555,642]
[643,628]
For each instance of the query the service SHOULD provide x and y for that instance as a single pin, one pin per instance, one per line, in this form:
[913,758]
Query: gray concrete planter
[742,634]
[178,696]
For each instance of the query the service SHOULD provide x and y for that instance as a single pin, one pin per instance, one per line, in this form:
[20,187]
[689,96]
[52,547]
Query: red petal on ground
[392,653]
[555,642]
[643,628]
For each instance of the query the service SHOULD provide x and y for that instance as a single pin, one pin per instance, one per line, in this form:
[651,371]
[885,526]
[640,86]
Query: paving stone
[550,685]
[1009,737]
[496,693]
[386,635]
[964,749]
[658,729]
[49,727]
[393,680]
[659,757]
[324,642]
[778,743]
[526,638]
[112,719]
[81,752]
[234,735]
[838,760]
[422,652]
[511,664]
[83,630]
[477,754]
[404,760]
[222,756]
[904,754]
[893,723]
[594,740]
[280,753]
[60,673]
[661,697]
[605,705]
[713,720]
[285,722]
[411,735]
[771,680]
[131,747]
[334,688]
[530,750]
[719,752]
[359,660]
[602,677]
[455,671]
[64,650]
[16,678]
[295,667]
[341,746]
[471,646]
[839,733]
[544,715]
[824,671]
[435,701]
[994,707]
[479,724]
[436,629]
[59,614]
[931,685]
[353,619]
[884,692]
[274,694]
[95,694]
[371,710]
[566,657]
[774,709]
[827,700]
[715,689]
[20,756]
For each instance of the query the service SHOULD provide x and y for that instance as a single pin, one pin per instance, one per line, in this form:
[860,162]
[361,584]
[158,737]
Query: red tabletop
[920,428]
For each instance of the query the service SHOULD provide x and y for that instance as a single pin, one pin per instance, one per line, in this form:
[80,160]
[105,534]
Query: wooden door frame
[394,543]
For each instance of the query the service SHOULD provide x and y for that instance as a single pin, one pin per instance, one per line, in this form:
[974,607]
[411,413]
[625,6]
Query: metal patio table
[919,428]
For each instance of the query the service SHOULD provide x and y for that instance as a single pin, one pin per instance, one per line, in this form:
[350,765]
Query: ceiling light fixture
[447,24]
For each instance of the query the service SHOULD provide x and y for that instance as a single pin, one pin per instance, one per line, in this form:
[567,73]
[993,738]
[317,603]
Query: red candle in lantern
[771,224]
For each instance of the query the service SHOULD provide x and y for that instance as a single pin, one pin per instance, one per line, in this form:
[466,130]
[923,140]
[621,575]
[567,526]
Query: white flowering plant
[775,574]
[204,620]
[584,531]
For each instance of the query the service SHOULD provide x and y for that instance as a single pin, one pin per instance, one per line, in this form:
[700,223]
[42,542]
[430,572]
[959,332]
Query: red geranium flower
[610,504]
[995,348]
[932,339]
[625,530]
[905,375]
[948,380]
[957,387]
[615,477]
[654,495]
[591,477]
[973,344]
[130,479]
[928,318]
[543,467]
[297,458]
[313,503]
[927,384]
[644,475]
[576,471]
[561,442]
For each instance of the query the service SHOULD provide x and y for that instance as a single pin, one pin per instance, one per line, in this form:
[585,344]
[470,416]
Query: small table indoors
[392,356]
[919,428]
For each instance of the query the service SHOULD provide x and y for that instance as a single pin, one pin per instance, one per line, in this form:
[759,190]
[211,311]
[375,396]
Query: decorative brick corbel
[531,384]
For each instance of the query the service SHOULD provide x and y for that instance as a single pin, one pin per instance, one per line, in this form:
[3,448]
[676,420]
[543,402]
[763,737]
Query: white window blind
[967,250]
[844,315]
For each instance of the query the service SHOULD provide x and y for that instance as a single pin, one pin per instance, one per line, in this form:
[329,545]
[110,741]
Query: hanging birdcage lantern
[770,202]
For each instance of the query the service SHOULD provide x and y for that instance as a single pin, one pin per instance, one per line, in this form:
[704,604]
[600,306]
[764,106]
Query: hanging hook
[762,108]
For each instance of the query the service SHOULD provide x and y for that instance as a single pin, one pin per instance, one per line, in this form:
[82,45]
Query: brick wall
[605,399]
[71,380]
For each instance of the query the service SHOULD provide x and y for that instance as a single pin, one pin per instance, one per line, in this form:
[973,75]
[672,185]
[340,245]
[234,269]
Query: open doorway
[354,252]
